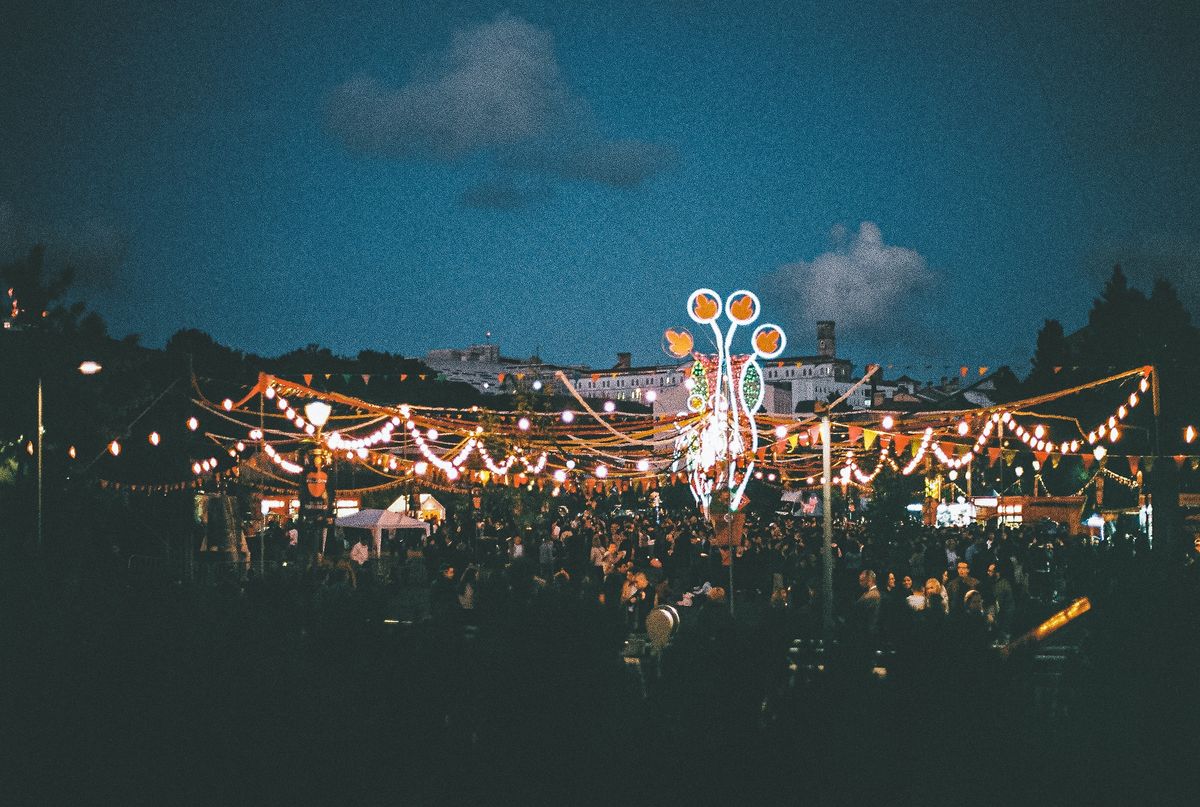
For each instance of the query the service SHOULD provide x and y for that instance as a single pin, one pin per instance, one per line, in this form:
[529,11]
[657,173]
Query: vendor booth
[376,521]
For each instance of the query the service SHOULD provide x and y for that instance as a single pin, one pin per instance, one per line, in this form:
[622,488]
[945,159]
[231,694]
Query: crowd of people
[984,581]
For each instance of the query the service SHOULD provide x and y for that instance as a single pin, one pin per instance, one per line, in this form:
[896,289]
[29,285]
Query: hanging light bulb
[570,465]
[1189,435]
[154,438]
[196,468]
[1039,431]
[1099,452]
[560,476]
[888,422]
[643,465]
[601,471]
[963,428]
[71,452]
[1114,435]
[568,416]
[270,393]
[114,448]
[420,467]
[651,396]
[610,407]
[1144,384]
[523,424]
[432,434]
[227,405]
[1019,471]
[780,432]
[193,424]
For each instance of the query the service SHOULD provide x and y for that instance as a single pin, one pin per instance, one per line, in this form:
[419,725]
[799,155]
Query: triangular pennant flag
[993,455]
[814,434]
[1195,463]
[1133,463]
[963,371]
[762,454]
[1055,459]
[1041,456]
[404,376]
[793,440]
[308,379]
[869,436]
[1087,460]
[366,378]
[983,370]
[595,376]
[327,375]
[422,376]
[500,377]
[346,378]
[900,441]
[1179,458]
[1057,370]
[1148,463]
[1009,456]
[948,449]
[855,433]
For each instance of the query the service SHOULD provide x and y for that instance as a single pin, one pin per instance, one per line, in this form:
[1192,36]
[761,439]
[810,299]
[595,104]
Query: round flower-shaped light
[270,393]
[523,424]
[601,471]
[780,432]
[570,465]
[420,467]
[888,422]
[651,396]
[432,433]
[568,416]
[609,406]
[560,476]
[643,465]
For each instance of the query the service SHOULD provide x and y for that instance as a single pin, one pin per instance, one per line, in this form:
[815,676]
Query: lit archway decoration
[725,391]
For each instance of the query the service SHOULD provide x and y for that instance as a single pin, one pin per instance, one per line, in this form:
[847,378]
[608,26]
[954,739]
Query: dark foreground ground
[113,693]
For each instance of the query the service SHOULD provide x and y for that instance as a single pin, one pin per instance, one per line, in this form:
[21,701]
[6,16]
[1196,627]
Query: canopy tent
[429,509]
[379,520]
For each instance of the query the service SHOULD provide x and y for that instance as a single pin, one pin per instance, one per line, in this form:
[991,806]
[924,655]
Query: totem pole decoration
[725,391]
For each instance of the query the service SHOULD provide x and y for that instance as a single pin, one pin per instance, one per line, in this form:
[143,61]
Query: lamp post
[87,368]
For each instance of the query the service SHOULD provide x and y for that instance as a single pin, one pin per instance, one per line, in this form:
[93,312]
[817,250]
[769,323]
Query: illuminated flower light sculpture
[726,391]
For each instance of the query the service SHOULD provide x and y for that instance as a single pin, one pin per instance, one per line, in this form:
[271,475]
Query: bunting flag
[366,378]
[814,434]
[793,440]
[963,371]
[1179,458]
[520,376]
[595,376]
[983,371]
[855,434]
[1133,464]
[993,455]
[345,378]
[1009,456]
[1055,459]
[404,376]
[1148,463]
[1195,463]
[1057,370]
[327,375]
[1087,460]
[308,379]
[900,441]
[500,378]
[948,449]
[1042,456]
[762,454]
[422,376]
[869,436]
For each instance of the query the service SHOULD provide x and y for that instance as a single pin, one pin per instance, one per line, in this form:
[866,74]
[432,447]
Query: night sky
[938,178]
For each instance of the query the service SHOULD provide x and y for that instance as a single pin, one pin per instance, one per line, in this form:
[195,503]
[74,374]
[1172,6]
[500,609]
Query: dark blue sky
[938,178]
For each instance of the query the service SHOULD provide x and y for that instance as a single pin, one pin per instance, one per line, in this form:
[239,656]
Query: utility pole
[41,438]
[827,533]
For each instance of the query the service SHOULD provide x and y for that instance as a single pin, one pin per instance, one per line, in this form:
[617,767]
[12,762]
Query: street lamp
[88,367]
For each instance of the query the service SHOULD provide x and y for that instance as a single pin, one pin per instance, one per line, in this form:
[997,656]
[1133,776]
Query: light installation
[725,391]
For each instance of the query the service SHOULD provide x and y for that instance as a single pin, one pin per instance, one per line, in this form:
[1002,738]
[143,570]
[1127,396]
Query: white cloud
[498,90]
[859,283]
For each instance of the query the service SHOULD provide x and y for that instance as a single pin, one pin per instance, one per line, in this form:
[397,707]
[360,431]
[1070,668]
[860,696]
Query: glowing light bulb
[432,434]
[610,407]
[154,438]
[227,405]
[1133,399]
[1144,384]
[888,422]
[651,396]
[560,476]
[523,424]
[643,465]
[780,432]
[1039,431]
[537,385]
[452,473]
[1099,452]
[270,393]
[193,424]
[114,448]
[568,416]
[1189,434]
[1114,435]
[71,452]
[601,471]
[196,468]
[420,467]
[570,465]
[963,428]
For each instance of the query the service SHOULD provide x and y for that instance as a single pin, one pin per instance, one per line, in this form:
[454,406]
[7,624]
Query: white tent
[379,520]
[430,508]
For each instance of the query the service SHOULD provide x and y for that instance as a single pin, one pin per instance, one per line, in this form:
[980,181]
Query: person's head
[907,581]
[932,586]
[891,581]
[596,541]
[973,602]
[963,570]
[866,578]
[448,571]
[993,572]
